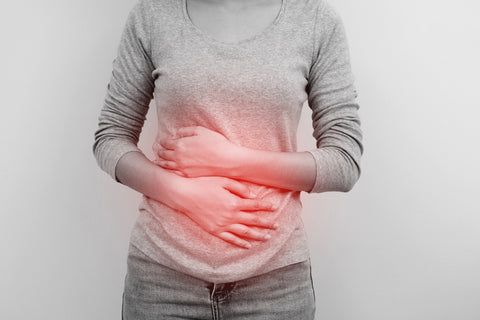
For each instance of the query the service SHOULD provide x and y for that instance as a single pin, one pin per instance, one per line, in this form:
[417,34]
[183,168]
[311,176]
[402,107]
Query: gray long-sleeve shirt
[252,92]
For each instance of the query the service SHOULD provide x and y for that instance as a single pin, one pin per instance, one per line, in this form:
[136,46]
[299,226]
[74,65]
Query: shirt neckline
[212,39]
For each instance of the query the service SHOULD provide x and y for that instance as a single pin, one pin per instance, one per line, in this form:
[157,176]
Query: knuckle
[229,217]
[225,183]
[180,162]
[235,204]
[224,220]
[213,229]
[262,205]
[266,206]
[252,205]
[244,232]
[244,189]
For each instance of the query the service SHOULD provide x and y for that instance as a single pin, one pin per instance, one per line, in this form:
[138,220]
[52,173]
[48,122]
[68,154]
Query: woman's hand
[199,152]
[224,208]
[196,152]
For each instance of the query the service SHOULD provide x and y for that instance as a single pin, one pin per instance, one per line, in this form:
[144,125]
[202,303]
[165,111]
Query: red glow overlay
[219,199]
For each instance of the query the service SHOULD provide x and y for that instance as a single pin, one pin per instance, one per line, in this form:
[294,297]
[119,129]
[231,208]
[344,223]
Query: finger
[233,239]
[165,154]
[255,205]
[171,165]
[168,144]
[255,220]
[156,147]
[186,132]
[238,189]
[244,231]
[180,173]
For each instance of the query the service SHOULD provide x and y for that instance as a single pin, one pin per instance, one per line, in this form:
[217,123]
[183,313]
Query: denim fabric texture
[153,291]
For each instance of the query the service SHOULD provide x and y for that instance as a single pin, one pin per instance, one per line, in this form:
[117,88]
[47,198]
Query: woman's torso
[252,91]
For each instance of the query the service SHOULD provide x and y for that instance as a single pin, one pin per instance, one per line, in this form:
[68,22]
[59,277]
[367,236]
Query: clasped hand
[220,205]
[196,152]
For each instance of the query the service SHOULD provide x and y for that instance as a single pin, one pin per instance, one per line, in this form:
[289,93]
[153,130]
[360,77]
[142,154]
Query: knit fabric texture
[252,92]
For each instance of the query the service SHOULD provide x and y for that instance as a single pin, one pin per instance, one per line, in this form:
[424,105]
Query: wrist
[170,187]
[234,162]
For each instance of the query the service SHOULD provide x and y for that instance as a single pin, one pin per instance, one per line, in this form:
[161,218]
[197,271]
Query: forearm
[137,172]
[333,166]
[220,206]
[286,170]
[320,170]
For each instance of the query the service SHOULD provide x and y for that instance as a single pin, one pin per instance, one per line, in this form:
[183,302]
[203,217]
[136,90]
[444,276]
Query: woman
[219,233]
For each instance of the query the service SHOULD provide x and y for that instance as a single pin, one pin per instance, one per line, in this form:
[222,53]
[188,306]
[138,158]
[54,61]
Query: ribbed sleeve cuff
[333,173]
[109,153]
[317,157]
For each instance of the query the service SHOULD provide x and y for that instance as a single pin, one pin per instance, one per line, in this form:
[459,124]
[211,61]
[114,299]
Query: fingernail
[267,236]
[275,225]
[248,246]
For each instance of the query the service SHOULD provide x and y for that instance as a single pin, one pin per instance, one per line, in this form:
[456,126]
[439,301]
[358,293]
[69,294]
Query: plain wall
[404,244]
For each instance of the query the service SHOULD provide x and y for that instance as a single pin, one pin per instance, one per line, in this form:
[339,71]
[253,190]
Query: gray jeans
[153,291]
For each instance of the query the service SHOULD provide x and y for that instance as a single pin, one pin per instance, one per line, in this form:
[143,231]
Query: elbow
[108,147]
[95,148]
[100,151]
[100,144]
[350,179]
[350,171]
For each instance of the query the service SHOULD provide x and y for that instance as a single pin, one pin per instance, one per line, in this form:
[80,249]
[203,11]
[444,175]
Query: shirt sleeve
[332,98]
[129,93]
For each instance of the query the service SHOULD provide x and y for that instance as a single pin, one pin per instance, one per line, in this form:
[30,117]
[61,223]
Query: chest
[235,22]
[206,81]
[260,76]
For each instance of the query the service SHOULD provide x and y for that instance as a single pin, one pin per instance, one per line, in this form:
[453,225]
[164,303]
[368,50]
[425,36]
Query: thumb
[238,189]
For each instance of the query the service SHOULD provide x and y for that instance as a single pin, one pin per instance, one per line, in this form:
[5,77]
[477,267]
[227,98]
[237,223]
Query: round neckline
[210,38]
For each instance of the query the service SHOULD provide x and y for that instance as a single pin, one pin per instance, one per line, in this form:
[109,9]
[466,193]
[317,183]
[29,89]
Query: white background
[404,244]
